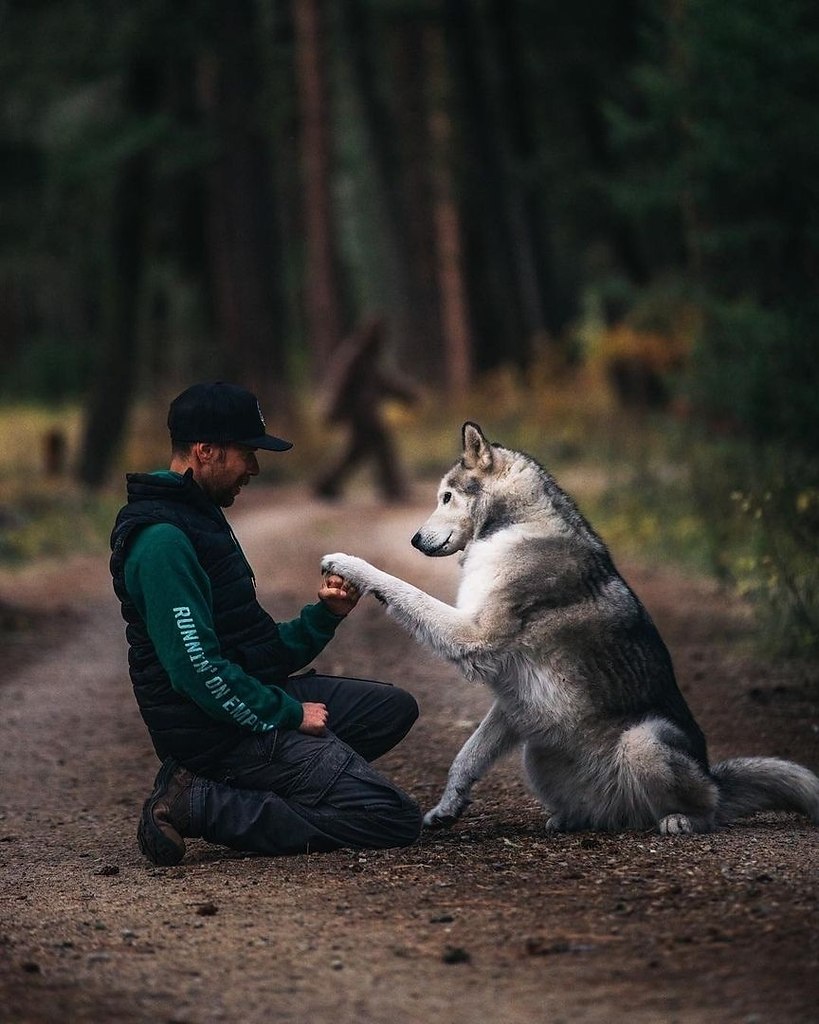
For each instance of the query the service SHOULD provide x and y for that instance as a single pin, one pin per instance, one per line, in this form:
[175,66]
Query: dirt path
[491,922]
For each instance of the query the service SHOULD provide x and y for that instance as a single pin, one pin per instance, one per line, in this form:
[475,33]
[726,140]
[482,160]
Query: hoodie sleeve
[306,636]
[172,593]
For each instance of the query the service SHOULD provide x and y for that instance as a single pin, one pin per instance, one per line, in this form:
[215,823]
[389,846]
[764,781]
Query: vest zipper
[238,547]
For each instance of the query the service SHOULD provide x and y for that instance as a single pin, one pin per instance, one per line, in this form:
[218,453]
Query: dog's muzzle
[427,548]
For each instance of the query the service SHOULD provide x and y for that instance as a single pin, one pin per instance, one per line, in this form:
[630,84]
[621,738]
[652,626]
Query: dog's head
[462,496]
[492,488]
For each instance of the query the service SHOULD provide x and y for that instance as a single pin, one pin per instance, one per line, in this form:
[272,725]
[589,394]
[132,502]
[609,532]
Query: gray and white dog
[581,677]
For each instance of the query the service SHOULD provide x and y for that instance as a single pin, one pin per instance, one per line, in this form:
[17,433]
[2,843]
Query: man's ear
[477,450]
[203,451]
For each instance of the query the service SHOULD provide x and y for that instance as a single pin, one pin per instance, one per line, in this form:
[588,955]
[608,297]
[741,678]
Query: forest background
[593,227]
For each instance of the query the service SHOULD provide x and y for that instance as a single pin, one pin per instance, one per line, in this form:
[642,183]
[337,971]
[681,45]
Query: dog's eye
[446,497]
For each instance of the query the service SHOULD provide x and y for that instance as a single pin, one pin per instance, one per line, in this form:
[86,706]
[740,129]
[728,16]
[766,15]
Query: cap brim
[268,442]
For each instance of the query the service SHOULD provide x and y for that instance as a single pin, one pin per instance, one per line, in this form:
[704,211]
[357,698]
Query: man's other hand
[315,719]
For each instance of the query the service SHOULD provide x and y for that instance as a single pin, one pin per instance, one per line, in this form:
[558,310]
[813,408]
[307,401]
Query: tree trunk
[516,147]
[447,226]
[489,248]
[11,316]
[244,254]
[409,58]
[323,301]
[115,375]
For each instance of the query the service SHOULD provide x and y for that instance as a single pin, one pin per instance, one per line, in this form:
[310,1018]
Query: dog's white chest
[486,565]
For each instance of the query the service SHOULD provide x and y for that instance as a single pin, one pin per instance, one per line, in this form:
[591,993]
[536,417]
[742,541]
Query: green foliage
[48,370]
[748,515]
[756,371]
[780,575]
[760,509]
[649,518]
[721,145]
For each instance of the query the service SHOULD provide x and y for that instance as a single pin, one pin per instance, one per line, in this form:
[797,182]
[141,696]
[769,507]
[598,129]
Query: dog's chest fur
[523,673]
[538,698]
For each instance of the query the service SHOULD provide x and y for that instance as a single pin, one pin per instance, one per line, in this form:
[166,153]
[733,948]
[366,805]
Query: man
[253,757]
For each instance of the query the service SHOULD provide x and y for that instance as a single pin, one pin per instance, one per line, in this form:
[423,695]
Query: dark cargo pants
[285,792]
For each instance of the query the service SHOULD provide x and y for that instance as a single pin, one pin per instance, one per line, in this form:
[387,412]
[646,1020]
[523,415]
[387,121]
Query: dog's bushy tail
[749,784]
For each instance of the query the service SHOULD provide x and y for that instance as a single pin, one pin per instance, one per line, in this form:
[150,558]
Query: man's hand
[338,595]
[315,719]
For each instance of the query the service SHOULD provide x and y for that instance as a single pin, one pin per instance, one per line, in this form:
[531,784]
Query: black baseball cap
[222,414]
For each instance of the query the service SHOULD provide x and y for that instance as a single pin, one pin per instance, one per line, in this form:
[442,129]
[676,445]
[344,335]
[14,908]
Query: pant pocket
[321,773]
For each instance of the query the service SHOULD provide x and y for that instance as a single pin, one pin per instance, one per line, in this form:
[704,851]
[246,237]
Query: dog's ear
[477,450]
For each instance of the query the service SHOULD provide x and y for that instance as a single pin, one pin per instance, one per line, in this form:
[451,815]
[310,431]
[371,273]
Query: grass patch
[50,521]
[43,515]
[25,428]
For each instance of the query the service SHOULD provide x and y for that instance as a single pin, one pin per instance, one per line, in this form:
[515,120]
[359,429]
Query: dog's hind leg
[694,797]
[493,738]
[659,782]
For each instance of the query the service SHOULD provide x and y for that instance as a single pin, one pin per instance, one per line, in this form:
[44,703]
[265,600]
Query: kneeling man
[253,757]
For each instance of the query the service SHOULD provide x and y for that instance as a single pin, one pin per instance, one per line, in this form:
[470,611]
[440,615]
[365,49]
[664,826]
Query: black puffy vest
[247,634]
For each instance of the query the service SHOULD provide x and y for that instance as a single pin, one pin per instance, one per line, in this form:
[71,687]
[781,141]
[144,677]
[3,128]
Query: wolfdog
[580,675]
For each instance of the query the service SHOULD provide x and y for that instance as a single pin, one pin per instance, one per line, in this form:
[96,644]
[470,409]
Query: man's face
[227,470]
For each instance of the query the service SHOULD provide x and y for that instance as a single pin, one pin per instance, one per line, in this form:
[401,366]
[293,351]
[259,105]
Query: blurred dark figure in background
[55,450]
[357,385]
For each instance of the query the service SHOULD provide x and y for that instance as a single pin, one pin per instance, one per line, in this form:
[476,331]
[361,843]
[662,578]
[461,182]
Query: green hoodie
[172,593]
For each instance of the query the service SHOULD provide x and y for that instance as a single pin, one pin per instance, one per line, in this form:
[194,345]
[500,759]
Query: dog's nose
[416,540]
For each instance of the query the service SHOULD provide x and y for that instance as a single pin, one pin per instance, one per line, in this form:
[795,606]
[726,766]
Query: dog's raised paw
[347,566]
[330,563]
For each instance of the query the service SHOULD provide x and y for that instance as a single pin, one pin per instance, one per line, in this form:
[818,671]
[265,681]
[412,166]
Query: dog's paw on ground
[675,825]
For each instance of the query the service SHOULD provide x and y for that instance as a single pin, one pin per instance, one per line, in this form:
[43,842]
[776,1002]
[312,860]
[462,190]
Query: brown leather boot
[166,815]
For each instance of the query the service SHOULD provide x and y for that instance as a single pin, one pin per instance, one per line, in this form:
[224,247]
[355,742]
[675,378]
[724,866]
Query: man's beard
[226,496]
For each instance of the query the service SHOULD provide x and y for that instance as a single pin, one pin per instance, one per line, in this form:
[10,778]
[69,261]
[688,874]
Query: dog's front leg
[449,631]
[493,738]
